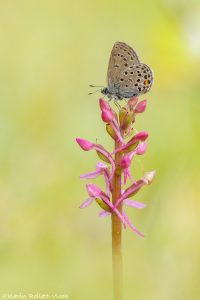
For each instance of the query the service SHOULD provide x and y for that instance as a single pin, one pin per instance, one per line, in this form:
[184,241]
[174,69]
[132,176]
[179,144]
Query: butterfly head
[105,91]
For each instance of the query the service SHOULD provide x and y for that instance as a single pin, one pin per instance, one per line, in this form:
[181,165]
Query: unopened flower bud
[141,136]
[140,108]
[107,115]
[84,144]
[149,176]
[104,104]
[132,102]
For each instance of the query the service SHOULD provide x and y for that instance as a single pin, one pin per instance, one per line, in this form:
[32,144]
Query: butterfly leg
[117,104]
[109,97]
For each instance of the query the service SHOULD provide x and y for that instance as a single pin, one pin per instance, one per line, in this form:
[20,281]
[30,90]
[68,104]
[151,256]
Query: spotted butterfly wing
[135,80]
[126,76]
[121,55]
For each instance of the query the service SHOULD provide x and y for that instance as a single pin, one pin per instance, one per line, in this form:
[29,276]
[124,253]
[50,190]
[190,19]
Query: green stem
[116,230]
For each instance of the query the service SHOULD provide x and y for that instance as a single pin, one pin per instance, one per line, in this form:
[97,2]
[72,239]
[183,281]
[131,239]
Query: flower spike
[117,163]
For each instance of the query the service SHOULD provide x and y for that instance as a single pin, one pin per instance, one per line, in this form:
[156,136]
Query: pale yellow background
[50,51]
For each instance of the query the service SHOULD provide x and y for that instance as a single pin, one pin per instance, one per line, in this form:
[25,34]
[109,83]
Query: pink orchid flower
[101,169]
[141,106]
[125,165]
[130,203]
[87,146]
[136,186]
[95,192]
[127,159]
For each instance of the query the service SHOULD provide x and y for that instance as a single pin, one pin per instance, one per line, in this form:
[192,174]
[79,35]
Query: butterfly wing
[134,80]
[121,57]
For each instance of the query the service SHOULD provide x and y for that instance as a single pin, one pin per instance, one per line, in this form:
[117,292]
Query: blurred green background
[50,51]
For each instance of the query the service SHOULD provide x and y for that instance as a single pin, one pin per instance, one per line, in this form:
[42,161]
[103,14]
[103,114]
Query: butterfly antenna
[91,85]
[94,92]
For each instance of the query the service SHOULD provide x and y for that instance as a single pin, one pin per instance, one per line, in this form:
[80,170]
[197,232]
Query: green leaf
[110,131]
[103,157]
[103,205]
[131,147]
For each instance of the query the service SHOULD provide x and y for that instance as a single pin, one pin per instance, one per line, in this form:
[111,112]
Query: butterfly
[126,75]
